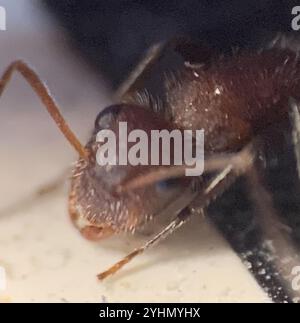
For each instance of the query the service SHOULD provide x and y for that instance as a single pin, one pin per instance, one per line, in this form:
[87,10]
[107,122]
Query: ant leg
[201,199]
[295,121]
[212,164]
[190,51]
[41,90]
[180,219]
[132,82]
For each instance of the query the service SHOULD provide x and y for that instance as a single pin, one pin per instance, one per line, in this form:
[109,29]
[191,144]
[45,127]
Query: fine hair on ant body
[232,98]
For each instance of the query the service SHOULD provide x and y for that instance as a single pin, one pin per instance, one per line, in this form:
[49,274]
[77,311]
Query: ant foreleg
[214,163]
[201,199]
[180,219]
[191,52]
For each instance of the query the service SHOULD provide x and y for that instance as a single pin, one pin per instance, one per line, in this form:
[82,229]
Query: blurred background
[83,50]
[113,35]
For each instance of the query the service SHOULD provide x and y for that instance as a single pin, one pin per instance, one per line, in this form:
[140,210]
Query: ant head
[94,194]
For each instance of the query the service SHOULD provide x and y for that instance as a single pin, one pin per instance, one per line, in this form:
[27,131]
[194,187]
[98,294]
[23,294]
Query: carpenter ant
[232,98]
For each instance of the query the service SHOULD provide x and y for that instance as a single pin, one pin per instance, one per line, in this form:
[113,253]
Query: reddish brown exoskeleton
[233,99]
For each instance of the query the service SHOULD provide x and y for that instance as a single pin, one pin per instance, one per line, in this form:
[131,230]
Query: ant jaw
[94,233]
[89,230]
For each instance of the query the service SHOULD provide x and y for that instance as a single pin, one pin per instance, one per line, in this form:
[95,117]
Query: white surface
[45,258]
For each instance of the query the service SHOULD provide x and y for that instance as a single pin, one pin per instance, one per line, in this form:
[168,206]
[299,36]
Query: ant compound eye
[107,116]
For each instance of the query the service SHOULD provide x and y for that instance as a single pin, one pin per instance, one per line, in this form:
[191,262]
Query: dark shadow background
[112,35]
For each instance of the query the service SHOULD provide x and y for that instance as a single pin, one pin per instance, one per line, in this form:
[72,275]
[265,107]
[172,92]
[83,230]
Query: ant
[232,98]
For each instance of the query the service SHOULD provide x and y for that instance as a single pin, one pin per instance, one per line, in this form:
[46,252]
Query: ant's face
[96,204]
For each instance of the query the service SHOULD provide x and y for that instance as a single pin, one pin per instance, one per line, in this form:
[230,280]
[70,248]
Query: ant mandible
[233,99]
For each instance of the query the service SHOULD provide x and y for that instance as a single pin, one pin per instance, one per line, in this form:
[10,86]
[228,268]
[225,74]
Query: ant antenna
[43,93]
